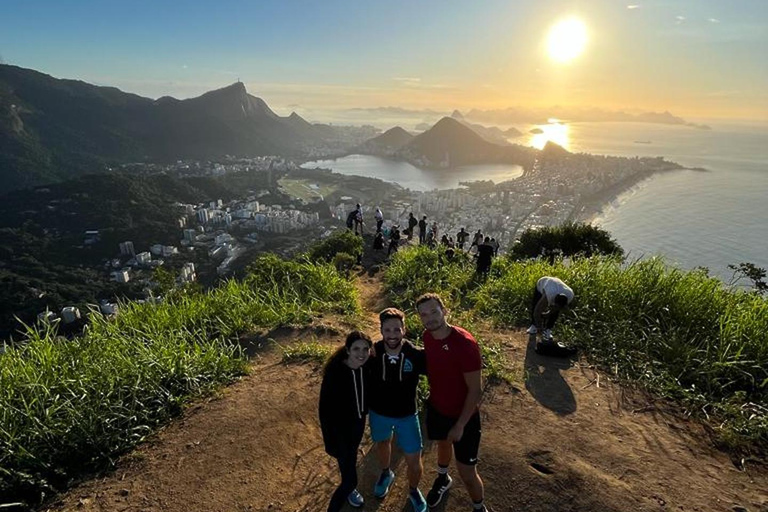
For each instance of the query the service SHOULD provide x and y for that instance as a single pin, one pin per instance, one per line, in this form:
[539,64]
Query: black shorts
[467,448]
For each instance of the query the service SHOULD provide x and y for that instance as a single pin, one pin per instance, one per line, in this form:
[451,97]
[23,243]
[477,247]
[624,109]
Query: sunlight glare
[555,132]
[566,40]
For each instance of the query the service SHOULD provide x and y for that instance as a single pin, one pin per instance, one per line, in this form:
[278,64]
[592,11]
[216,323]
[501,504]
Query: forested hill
[52,129]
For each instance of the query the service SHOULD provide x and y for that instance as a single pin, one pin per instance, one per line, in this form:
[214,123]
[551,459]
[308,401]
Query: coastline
[591,207]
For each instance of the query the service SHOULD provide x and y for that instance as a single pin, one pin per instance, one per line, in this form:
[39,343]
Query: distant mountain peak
[457,115]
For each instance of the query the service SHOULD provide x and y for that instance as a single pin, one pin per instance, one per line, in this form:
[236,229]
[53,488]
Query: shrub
[343,241]
[566,240]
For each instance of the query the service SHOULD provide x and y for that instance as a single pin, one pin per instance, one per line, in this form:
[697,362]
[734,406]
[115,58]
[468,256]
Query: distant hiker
[495,244]
[445,241]
[550,296]
[484,256]
[423,230]
[379,219]
[430,239]
[435,231]
[359,220]
[378,241]
[454,368]
[351,219]
[461,238]
[412,223]
[478,239]
[342,409]
[394,239]
[395,368]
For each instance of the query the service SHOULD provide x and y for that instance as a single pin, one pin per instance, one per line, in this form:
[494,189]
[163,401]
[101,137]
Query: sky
[699,59]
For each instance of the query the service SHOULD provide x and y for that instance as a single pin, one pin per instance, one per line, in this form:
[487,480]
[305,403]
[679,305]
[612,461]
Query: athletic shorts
[407,429]
[467,448]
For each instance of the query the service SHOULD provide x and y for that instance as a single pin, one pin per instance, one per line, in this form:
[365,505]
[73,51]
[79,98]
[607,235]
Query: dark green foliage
[343,241]
[567,240]
[756,275]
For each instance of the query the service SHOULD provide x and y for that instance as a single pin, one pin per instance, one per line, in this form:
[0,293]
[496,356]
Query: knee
[467,473]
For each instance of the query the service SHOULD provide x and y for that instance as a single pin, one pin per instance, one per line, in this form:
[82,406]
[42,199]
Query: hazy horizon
[698,59]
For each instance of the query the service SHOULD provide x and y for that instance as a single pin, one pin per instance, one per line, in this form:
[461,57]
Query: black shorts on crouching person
[467,448]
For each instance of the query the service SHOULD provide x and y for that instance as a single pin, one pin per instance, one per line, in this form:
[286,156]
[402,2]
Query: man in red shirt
[455,388]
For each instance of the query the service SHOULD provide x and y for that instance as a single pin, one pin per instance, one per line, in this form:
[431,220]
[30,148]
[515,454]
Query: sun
[566,40]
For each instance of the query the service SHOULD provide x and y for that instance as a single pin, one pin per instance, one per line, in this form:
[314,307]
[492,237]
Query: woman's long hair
[342,353]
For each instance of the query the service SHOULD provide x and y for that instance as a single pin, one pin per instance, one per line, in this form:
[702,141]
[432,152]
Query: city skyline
[697,59]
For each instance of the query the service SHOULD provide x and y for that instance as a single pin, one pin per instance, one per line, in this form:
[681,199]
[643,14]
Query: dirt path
[562,440]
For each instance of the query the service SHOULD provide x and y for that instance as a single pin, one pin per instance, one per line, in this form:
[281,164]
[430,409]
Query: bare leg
[384,453]
[415,468]
[471,480]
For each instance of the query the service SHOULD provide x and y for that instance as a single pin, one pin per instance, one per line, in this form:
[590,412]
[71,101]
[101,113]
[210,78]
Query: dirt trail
[565,439]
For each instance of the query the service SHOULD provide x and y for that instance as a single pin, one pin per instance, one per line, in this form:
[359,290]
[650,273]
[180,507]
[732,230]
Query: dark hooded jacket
[343,406]
[393,380]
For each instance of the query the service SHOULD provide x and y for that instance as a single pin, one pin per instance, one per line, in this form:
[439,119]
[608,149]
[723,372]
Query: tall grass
[681,333]
[71,406]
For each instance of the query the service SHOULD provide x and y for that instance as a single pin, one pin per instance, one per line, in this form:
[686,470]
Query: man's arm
[539,310]
[474,393]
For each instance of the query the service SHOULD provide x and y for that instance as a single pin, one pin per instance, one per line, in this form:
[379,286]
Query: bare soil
[564,438]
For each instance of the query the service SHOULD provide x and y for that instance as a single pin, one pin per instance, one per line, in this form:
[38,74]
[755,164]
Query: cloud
[679,20]
[714,20]
[408,81]
[635,6]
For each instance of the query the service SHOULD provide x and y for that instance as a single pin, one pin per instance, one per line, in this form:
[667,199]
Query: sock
[414,490]
[385,470]
[442,470]
[477,505]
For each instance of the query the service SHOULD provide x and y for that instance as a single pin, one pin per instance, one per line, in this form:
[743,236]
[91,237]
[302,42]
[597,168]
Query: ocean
[710,219]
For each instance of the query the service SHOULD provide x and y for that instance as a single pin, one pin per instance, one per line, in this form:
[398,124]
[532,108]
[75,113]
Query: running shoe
[356,499]
[381,488]
[417,501]
[439,488]
[532,329]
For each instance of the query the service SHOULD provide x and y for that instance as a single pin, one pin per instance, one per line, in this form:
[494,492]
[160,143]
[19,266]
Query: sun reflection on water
[554,131]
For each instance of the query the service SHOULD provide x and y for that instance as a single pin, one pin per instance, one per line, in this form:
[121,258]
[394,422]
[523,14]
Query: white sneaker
[546,335]
[532,329]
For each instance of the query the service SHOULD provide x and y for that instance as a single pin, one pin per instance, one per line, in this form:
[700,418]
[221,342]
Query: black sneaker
[439,488]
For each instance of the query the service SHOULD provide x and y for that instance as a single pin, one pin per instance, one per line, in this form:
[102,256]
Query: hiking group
[381,380]
[483,248]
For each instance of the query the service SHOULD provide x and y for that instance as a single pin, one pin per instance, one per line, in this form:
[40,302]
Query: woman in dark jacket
[343,408]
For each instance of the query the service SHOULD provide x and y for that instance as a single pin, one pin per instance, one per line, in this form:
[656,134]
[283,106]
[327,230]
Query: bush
[343,241]
[566,240]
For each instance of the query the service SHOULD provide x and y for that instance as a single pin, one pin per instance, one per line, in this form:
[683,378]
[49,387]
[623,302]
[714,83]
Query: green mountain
[53,129]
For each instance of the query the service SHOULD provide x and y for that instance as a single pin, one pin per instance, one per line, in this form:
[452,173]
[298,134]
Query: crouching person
[395,369]
[342,409]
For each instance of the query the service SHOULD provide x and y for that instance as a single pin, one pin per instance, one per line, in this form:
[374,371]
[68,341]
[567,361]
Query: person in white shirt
[550,296]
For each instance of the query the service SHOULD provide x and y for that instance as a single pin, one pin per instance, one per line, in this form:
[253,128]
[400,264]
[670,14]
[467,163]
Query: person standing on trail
[485,252]
[423,230]
[461,238]
[412,223]
[395,369]
[478,239]
[394,239]
[454,368]
[342,409]
[379,219]
[550,296]
[359,219]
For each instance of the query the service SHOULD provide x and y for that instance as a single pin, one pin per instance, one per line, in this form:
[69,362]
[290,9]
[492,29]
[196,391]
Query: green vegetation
[683,335]
[68,407]
[307,352]
[570,239]
[341,242]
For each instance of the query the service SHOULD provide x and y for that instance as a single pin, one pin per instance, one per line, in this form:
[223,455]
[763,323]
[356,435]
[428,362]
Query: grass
[68,407]
[681,334]
[307,352]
